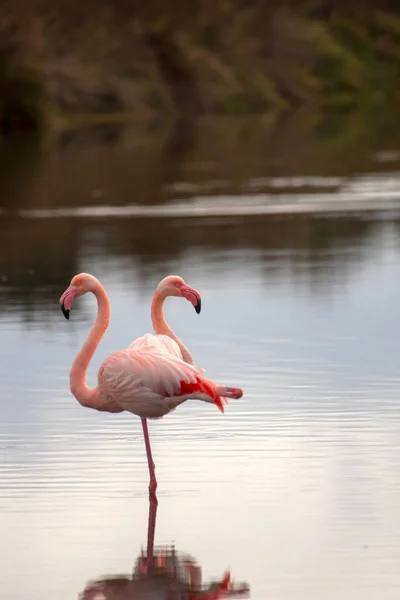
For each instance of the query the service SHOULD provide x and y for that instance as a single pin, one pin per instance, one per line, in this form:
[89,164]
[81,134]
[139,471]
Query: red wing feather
[205,387]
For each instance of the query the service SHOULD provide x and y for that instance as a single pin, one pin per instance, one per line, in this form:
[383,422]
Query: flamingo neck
[161,326]
[79,388]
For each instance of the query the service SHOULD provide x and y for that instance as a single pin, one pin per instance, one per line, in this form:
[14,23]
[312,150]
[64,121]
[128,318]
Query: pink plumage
[151,377]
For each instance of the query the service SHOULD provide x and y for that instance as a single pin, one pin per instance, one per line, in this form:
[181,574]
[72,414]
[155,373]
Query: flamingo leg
[153,502]
[152,466]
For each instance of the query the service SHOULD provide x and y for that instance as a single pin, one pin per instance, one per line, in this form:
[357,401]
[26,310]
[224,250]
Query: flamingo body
[162,343]
[150,382]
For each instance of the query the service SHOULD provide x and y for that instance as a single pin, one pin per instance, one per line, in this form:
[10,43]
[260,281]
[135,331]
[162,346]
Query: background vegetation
[69,59]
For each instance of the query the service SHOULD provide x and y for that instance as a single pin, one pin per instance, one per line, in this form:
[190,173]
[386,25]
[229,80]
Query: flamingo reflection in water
[163,573]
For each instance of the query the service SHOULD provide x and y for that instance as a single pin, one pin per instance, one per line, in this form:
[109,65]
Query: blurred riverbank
[64,62]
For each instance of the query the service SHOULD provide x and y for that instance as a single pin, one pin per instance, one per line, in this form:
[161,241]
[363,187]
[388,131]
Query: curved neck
[161,326]
[79,388]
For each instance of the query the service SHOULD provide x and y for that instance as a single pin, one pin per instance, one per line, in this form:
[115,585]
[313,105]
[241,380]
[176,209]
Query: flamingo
[166,340]
[153,375]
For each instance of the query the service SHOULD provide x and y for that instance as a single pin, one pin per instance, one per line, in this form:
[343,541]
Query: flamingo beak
[67,299]
[193,297]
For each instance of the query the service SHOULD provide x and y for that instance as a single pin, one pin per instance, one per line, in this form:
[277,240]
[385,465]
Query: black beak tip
[65,312]
[197,308]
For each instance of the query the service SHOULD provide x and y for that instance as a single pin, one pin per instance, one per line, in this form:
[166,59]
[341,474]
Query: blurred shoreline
[65,63]
[150,196]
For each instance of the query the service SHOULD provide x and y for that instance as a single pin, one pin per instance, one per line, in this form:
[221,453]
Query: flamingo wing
[161,342]
[146,381]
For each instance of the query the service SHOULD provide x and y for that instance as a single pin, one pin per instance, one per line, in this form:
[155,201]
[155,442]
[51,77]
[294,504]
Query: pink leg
[151,531]
[152,466]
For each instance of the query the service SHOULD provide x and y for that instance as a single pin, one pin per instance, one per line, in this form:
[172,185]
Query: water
[295,488]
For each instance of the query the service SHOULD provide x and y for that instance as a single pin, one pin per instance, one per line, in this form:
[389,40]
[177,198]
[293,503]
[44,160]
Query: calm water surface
[296,487]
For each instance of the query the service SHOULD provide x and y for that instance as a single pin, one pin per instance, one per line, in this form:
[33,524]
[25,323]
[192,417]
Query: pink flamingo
[166,340]
[151,377]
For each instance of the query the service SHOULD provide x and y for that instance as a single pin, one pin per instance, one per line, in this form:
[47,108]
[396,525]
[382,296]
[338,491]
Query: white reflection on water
[295,488]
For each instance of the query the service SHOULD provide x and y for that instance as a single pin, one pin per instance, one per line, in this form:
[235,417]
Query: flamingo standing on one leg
[147,379]
[166,340]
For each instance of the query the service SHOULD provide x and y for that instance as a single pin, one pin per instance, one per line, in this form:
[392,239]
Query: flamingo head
[173,285]
[80,285]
